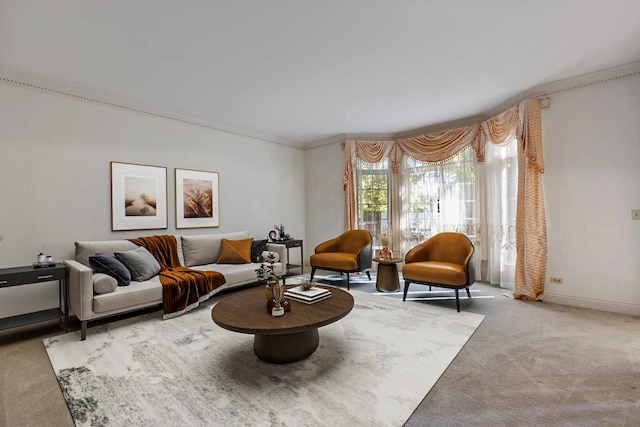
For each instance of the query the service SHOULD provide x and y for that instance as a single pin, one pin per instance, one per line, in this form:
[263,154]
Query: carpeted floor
[529,363]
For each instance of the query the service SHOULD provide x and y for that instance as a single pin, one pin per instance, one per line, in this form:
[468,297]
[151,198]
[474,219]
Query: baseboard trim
[595,304]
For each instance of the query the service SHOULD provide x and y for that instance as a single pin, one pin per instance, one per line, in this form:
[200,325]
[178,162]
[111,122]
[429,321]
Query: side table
[292,243]
[19,276]
[387,278]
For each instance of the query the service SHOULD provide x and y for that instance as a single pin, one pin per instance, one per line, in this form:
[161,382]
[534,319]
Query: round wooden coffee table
[283,339]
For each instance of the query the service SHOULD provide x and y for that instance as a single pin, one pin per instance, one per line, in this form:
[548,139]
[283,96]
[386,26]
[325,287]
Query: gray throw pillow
[257,247]
[108,264]
[103,283]
[142,265]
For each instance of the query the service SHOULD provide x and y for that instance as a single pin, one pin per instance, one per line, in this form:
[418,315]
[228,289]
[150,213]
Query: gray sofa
[199,252]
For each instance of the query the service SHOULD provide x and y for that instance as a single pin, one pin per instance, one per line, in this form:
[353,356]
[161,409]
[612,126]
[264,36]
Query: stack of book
[309,296]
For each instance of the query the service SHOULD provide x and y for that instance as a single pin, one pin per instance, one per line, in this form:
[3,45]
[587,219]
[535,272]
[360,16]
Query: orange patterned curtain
[531,223]
[522,121]
[439,146]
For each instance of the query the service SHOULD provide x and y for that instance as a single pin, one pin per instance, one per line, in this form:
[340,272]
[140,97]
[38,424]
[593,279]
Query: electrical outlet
[556,280]
[635,214]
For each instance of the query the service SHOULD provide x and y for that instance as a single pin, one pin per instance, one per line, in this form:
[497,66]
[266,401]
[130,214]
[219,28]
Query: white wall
[55,155]
[324,168]
[592,182]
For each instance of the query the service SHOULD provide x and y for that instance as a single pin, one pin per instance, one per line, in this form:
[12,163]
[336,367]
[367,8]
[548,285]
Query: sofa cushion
[142,265]
[103,283]
[138,295]
[201,249]
[235,251]
[85,249]
[108,264]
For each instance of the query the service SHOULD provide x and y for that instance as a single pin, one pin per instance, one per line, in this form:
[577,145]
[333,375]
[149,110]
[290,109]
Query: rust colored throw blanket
[182,288]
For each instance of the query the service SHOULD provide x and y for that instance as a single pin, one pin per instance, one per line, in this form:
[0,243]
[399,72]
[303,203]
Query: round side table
[387,277]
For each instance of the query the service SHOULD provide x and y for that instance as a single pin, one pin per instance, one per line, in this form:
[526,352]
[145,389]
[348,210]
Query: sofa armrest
[80,289]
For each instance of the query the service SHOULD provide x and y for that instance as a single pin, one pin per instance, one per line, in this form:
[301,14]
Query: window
[441,197]
[456,195]
[373,196]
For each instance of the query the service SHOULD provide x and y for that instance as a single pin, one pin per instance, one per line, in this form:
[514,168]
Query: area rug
[372,368]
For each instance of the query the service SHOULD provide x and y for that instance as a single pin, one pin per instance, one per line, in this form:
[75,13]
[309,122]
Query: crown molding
[29,81]
[597,77]
[539,91]
[335,139]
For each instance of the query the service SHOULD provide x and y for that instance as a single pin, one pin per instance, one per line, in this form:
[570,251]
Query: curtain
[369,151]
[500,187]
[522,122]
[531,232]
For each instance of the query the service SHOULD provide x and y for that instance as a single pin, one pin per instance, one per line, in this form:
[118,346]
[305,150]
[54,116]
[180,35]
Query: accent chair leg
[368,275]
[406,288]
[313,271]
[468,292]
[457,300]
[347,281]
[83,330]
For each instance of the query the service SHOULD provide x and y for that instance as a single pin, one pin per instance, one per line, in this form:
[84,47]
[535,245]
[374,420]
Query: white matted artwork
[138,197]
[197,199]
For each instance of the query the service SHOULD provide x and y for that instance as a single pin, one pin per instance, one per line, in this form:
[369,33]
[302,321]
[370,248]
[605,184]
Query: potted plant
[274,289]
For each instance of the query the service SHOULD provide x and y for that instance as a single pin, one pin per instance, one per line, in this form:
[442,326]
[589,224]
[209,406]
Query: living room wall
[55,174]
[592,182]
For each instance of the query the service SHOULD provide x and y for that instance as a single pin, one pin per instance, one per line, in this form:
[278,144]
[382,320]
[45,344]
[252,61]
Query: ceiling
[303,70]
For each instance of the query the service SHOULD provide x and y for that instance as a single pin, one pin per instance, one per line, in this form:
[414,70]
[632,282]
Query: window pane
[441,196]
[373,196]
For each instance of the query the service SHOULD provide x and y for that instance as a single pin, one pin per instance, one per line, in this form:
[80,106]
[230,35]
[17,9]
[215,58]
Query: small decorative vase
[385,253]
[269,290]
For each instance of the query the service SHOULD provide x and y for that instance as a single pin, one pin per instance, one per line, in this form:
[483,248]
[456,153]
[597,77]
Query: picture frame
[197,199]
[138,196]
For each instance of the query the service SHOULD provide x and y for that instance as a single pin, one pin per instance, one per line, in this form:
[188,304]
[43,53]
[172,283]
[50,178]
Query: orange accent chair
[444,260]
[348,253]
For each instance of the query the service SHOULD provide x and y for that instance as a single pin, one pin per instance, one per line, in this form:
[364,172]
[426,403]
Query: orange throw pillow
[235,251]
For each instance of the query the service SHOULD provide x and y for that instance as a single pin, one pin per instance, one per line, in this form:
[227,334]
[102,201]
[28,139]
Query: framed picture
[138,197]
[197,202]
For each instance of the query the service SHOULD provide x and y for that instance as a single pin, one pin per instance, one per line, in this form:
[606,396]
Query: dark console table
[292,243]
[19,276]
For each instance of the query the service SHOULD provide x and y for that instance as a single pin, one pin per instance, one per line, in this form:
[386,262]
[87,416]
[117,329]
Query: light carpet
[372,368]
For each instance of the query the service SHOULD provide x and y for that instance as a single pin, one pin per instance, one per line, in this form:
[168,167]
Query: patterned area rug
[371,368]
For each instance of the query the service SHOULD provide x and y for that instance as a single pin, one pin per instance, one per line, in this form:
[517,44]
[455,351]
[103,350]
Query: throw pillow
[257,247]
[103,283]
[142,265]
[235,251]
[108,264]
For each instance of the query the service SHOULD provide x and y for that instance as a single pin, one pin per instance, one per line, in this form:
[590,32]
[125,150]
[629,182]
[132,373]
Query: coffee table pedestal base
[286,348]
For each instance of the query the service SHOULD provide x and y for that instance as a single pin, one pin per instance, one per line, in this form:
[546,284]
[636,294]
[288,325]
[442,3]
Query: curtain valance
[517,122]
